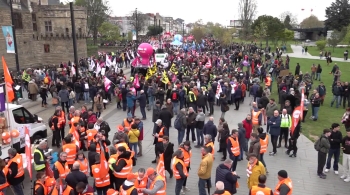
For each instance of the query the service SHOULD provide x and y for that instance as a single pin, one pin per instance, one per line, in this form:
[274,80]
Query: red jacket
[248,126]
[92,119]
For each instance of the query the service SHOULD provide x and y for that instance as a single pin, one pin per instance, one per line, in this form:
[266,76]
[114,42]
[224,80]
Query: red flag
[160,166]
[28,151]
[295,118]
[103,164]
[136,81]
[8,81]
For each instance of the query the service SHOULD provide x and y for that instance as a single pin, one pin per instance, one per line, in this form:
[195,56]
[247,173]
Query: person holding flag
[100,174]
[294,132]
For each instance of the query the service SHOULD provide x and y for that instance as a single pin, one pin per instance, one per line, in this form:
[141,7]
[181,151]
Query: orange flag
[103,164]
[295,118]
[28,151]
[8,81]
[160,167]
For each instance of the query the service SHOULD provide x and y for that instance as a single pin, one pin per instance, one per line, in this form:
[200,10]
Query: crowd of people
[182,97]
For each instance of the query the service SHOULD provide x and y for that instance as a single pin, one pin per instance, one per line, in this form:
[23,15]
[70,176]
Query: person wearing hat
[128,187]
[157,183]
[284,186]
[254,169]
[128,121]
[158,133]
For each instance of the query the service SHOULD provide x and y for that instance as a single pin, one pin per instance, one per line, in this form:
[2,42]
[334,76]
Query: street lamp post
[14,37]
[74,36]
[136,25]
[183,29]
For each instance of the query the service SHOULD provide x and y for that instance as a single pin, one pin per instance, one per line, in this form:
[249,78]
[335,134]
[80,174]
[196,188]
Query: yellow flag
[165,78]
[173,69]
[154,68]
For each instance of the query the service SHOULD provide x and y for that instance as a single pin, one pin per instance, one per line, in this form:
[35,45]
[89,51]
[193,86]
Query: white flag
[108,61]
[98,69]
[92,65]
[218,91]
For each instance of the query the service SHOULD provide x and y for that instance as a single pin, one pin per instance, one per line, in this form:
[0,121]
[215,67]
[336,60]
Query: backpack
[46,80]
[178,123]
[174,96]
[317,144]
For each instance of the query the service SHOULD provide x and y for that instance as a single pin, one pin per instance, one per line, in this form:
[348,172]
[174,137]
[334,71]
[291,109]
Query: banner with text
[8,34]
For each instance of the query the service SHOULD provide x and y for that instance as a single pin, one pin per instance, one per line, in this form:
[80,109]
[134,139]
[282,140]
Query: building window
[34,17]
[67,30]
[79,30]
[46,48]
[17,19]
[48,26]
[35,27]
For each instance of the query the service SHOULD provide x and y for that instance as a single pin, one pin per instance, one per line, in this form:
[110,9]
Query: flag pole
[8,114]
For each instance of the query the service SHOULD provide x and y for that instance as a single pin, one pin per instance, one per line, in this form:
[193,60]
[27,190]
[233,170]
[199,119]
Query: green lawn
[338,51]
[327,115]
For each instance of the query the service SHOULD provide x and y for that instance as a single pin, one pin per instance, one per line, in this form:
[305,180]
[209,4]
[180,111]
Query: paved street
[297,53]
[302,169]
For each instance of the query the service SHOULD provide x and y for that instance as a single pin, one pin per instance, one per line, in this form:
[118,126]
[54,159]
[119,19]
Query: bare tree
[138,21]
[247,11]
[289,19]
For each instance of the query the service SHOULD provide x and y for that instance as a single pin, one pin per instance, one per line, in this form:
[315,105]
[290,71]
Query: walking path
[297,53]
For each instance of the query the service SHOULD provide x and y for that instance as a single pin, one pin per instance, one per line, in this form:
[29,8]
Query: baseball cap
[131,176]
[150,171]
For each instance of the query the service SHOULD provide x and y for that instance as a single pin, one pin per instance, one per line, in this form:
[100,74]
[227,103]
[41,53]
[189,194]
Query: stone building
[43,33]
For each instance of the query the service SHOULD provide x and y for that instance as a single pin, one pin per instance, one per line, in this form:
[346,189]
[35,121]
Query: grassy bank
[327,114]
[338,51]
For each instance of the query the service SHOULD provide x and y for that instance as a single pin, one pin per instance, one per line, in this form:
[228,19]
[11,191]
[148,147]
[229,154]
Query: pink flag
[173,79]
[107,83]
[136,81]
[208,64]
[136,61]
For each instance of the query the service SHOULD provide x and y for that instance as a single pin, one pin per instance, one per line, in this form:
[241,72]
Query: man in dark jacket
[76,176]
[156,111]
[124,92]
[201,101]
[165,115]
[157,143]
[210,128]
[191,123]
[294,135]
[211,100]
[224,174]
[119,164]
[275,130]
[91,156]
[15,175]
[78,89]
[142,102]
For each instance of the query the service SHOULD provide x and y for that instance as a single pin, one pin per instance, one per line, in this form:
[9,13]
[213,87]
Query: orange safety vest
[76,136]
[63,170]
[187,156]
[90,135]
[286,181]
[126,192]
[255,117]
[235,146]
[70,117]
[161,191]
[112,192]
[50,183]
[5,185]
[19,161]
[37,185]
[66,191]
[211,144]
[128,124]
[98,147]
[71,150]
[263,144]
[62,119]
[58,124]
[141,183]
[87,193]
[268,82]
[84,166]
[126,147]
[175,171]
[256,190]
[126,170]
[161,134]
[226,193]
[100,182]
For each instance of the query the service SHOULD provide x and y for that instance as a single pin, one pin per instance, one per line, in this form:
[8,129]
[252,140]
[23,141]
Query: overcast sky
[221,11]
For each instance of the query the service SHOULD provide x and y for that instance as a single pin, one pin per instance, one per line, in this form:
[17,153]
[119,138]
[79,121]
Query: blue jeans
[336,153]
[200,137]
[316,109]
[77,96]
[86,96]
[175,107]
[178,186]
[241,155]
[336,98]
[150,102]
[180,136]
[18,189]
[318,76]
[133,147]
[201,185]
[143,111]
[71,102]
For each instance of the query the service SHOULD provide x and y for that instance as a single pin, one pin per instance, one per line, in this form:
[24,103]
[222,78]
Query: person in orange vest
[71,115]
[186,149]
[268,81]
[90,134]
[112,192]
[60,168]
[15,174]
[220,189]
[127,122]
[61,188]
[100,141]
[121,134]
[264,143]
[84,189]
[3,176]
[210,144]
[128,187]
[84,165]
[261,187]
[56,129]
[62,121]
[179,170]
[71,149]
[158,133]
[285,185]
[121,166]
[157,183]
[102,183]
[233,149]
[141,180]
[39,185]
[256,117]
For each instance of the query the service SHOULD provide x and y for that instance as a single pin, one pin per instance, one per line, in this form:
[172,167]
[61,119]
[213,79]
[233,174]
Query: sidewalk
[297,53]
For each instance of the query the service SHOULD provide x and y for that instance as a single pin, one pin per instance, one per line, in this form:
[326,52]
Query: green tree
[338,15]
[260,31]
[198,33]
[287,35]
[274,27]
[109,31]
[289,19]
[129,36]
[97,13]
[336,37]
[321,44]
[154,30]
[311,22]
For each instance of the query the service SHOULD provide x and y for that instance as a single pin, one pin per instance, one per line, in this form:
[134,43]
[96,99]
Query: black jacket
[335,139]
[165,116]
[224,174]
[211,96]
[11,175]
[155,113]
[142,100]
[168,154]
[37,157]
[121,163]
[74,177]
[201,100]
